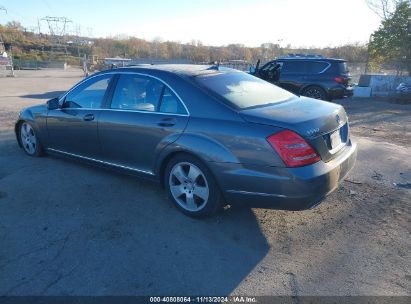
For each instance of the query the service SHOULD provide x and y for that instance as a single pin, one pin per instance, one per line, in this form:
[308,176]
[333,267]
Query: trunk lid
[323,124]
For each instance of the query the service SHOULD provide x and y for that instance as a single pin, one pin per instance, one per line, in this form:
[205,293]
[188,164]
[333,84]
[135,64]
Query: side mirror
[53,104]
[252,70]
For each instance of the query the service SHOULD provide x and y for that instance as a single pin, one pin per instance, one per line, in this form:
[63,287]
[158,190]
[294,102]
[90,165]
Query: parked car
[311,76]
[209,135]
[403,89]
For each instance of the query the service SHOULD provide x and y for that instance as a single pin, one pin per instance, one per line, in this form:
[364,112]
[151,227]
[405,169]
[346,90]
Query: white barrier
[379,85]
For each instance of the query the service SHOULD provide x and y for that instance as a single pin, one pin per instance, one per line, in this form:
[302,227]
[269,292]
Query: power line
[57,25]
[48,6]
[58,29]
[2,8]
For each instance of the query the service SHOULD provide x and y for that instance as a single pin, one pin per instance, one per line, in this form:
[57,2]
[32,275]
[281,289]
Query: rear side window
[170,103]
[135,92]
[243,90]
[142,93]
[316,67]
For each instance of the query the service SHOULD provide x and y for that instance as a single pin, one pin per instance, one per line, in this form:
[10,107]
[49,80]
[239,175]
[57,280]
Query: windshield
[243,90]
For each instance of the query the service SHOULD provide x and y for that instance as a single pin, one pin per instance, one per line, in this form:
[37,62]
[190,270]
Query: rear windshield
[243,90]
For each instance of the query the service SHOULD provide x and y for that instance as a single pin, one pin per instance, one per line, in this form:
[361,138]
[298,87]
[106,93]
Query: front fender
[25,115]
[36,117]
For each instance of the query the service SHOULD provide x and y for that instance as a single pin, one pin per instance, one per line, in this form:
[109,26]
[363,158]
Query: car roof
[188,70]
[310,58]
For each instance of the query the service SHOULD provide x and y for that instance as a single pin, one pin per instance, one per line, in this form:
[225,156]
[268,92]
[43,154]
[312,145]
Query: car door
[292,75]
[73,127]
[144,116]
[270,72]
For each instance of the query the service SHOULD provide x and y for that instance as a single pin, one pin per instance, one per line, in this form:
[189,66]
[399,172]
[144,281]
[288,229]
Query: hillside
[41,47]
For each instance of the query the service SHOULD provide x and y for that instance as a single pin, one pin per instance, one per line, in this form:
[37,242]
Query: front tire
[29,141]
[191,186]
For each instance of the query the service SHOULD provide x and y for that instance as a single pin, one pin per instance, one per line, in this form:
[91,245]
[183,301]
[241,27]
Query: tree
[383,8]
[391,43]
[14,25]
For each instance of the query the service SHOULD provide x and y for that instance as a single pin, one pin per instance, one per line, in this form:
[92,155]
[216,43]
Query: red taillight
[339,80]
[293,149]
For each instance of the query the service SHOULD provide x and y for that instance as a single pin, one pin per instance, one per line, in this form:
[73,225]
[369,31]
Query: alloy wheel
[188,186]
[28,138]
[314,93]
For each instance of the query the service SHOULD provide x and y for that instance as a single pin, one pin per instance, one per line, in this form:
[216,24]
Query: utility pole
[57,28]
[3,49]
[368,55]
[38,25]
[85,68]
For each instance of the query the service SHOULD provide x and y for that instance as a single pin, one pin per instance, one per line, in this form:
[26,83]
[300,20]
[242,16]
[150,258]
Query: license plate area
[335,139]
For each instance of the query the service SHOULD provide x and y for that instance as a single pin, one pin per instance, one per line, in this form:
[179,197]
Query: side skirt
[103,164]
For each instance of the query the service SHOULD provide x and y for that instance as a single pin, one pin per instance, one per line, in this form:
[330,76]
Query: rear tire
[315,92]
[191,186]
[29,140]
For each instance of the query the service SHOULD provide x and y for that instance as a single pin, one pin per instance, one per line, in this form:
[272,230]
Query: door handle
[167,122]
[88,117]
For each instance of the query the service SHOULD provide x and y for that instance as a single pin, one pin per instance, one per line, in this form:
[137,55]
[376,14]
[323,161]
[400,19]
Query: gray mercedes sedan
[209,135]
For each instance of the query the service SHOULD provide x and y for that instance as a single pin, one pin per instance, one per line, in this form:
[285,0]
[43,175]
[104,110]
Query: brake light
[293,149]
[339,80]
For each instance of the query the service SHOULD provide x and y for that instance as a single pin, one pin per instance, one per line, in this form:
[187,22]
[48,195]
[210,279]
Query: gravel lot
[72,229]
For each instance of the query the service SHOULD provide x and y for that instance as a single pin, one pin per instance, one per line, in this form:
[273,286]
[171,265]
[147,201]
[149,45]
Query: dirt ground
[72,229]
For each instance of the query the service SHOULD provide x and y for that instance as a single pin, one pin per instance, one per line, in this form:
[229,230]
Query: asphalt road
[71,229]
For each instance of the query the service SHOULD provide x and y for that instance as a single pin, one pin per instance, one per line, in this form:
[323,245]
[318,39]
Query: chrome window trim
[102,162]
[322,61]
[329,64]
[121,110]
[132,73]
[62,97]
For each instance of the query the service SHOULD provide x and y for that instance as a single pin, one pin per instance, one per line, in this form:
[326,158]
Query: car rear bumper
[340,92]
[283,188]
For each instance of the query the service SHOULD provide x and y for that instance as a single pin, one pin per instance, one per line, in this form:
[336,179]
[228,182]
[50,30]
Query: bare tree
[384,8]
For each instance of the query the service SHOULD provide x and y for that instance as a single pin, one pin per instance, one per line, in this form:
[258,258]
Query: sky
[301,23]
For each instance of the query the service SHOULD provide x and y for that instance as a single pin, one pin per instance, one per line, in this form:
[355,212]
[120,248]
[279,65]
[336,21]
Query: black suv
[312,76]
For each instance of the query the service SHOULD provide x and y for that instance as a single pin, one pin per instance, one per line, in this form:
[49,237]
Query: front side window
[243,90]
[142,93]
[89,94]
[135,92]
[269,66]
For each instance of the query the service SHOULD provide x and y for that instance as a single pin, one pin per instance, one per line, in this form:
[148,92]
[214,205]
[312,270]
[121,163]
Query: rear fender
[203,147]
